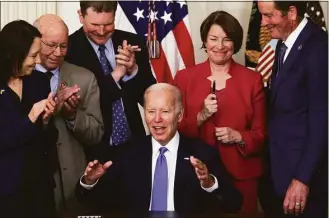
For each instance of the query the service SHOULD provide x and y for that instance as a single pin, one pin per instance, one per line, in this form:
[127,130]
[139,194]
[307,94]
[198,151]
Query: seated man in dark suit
[162,172]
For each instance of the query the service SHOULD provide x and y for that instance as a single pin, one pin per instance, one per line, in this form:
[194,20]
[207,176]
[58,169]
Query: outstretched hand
[202,173]
[94,171]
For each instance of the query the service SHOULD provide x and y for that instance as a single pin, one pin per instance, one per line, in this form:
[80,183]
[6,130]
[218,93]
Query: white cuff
[212,188]
[125,78]
[88,187]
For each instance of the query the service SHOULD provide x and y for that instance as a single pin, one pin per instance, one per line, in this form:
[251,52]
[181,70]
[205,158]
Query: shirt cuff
[212,188]
[88,187]
[125,78]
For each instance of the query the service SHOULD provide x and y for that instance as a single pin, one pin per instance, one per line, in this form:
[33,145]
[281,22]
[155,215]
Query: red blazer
[242,108]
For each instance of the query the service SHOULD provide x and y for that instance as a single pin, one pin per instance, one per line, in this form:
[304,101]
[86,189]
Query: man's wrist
[132,69]
[209,183]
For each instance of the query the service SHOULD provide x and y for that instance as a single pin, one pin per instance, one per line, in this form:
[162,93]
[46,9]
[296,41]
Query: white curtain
[28,11]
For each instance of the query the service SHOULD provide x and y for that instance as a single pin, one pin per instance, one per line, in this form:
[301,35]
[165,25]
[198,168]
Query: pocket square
[2,91]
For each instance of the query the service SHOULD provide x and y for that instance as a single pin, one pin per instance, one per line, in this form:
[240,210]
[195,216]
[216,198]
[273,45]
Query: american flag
[173,33]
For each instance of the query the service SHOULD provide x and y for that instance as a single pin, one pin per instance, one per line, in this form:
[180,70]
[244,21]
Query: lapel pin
[2,91]
[300,47]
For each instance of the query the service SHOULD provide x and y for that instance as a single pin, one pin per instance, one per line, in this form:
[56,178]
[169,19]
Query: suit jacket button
[58,143]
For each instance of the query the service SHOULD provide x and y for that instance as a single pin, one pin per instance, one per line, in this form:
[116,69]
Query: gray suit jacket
[87,131]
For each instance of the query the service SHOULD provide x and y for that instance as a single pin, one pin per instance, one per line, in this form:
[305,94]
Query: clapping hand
[45,105]
[94,171]
[126,56]
[68,100]
[202,173]
[50,108]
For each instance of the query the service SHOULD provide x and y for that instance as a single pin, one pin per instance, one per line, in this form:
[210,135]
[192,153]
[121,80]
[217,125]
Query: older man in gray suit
[78,120]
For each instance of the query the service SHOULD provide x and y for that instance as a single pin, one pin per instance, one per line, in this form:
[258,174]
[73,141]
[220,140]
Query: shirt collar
[294,35]
[40,68]
[108,45]
[172,145]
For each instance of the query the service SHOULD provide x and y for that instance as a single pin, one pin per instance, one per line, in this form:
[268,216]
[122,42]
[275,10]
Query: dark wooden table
[172,215]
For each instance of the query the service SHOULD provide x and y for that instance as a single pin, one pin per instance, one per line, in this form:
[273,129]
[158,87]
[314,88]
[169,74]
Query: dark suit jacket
[298,118]
[24,145]
[241,107]
[27,152]
[132,176]
[81,53]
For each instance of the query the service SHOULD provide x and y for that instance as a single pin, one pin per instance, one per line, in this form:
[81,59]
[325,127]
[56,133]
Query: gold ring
[297,204]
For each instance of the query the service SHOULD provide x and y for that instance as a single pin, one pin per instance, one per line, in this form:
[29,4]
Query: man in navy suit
[127,73]
[194,179]
[298,113]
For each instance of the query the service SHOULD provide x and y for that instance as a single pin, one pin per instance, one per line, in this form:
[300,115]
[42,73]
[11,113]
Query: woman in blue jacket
[27,135]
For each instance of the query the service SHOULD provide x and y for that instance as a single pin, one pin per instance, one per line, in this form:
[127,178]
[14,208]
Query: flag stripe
[186,49]
[268,61]
[161,68]
[170,49]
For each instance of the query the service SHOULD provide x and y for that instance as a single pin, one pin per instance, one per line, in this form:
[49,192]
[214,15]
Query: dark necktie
[283,49]
[120,128]
[49,74]
[160,183]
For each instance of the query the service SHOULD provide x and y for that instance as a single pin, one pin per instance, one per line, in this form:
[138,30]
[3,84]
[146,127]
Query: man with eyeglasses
[78,119]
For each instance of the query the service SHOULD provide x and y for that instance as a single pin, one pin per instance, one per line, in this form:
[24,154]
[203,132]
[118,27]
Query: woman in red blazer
[231,115]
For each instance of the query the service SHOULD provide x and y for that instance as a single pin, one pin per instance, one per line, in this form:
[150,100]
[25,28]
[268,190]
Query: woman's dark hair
[16,39]
[228,23]
[98,6]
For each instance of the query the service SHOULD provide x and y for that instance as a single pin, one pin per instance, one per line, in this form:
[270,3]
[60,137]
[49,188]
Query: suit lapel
[144,169]
[183,166]
[64,75]
[291,58]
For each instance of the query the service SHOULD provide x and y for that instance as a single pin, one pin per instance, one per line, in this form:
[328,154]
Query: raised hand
[202,173]
[37,109]
[94,171]
[209,107]
[126,56]
[49,109]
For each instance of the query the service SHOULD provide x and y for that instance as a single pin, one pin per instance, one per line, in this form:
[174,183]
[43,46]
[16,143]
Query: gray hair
[173,90]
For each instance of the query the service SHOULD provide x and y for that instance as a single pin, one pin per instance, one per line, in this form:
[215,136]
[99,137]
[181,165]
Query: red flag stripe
[185,46]
[161,68]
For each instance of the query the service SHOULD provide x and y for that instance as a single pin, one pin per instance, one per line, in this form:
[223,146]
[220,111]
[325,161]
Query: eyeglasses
[53,47]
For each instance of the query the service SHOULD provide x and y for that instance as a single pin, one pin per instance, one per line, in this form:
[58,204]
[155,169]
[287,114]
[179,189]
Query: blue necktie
[282,52]
[160,183]
[120,128]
